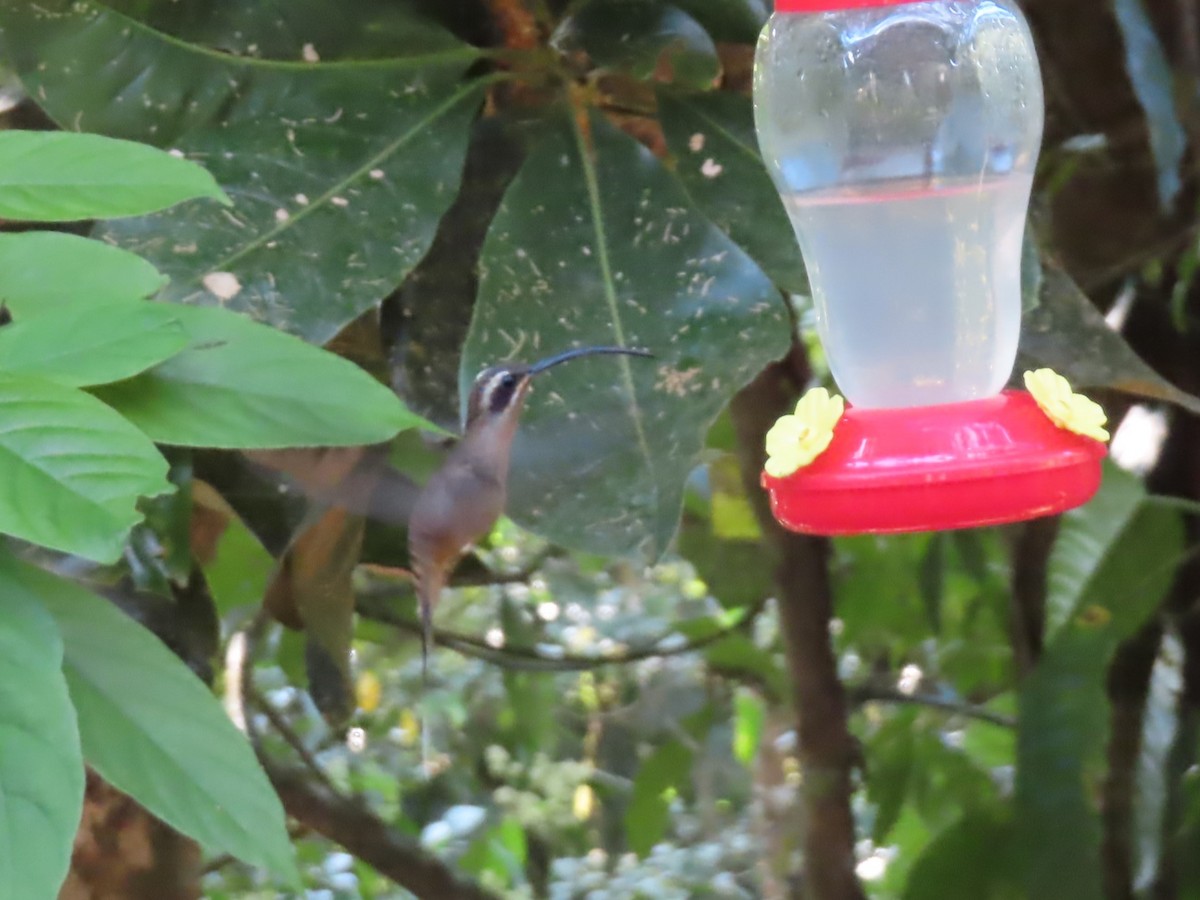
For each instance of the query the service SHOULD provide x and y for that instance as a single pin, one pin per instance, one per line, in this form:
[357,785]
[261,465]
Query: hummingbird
[463,499]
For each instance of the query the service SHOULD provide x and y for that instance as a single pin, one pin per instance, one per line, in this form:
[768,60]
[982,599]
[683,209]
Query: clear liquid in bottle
[903,140]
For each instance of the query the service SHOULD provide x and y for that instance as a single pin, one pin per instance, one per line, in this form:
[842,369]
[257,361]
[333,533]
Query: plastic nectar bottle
[902,138]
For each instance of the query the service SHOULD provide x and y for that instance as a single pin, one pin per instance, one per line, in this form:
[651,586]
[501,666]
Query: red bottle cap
[934,468]
[812,6]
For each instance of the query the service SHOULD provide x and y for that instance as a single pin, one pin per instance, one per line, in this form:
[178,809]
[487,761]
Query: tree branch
[352,825]
[828,753]
[1027,599]
[874,693]
[374,607]
[348,821]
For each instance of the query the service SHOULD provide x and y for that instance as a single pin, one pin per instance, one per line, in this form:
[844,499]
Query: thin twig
[347,821]
[534,660]
[289,735]
[873,693]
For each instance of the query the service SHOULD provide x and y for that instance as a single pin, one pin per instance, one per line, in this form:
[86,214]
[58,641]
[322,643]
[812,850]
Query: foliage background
[651,692]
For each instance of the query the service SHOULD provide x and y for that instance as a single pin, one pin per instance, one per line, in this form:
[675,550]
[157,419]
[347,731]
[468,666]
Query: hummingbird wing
[357,479]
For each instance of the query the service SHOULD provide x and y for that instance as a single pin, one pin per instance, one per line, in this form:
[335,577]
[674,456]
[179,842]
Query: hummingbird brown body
[463,499]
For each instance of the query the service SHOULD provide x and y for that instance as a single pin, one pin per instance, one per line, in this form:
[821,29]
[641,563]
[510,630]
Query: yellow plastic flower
[368,691]
[1064,407]
[795,441]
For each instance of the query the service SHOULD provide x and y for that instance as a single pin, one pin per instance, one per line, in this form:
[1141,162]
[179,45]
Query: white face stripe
[488,391]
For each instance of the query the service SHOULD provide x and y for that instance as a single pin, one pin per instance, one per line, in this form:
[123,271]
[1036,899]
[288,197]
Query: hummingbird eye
[509,380]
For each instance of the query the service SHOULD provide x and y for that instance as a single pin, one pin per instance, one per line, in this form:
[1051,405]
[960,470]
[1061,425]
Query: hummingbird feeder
[902,138]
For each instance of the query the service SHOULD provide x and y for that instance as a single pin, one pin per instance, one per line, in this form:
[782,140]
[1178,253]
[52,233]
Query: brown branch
[530,659]
[874,693]
[348,821]
[517,26]
[350,824]
[828,753]
[1027,600]
[288,734]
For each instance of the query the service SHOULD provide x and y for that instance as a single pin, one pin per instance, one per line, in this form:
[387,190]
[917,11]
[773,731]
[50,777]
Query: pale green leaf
[152,729]
[94,344]
[73,469]
[241,384]
[339,170]
[646,817]
[749,715]
[41,767]
[49,272]
[59,176]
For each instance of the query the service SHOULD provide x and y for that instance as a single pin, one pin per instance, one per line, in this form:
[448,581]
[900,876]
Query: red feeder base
[933,468]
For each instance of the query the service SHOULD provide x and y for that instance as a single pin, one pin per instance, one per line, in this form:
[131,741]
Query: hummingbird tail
[429,589]
[426,637]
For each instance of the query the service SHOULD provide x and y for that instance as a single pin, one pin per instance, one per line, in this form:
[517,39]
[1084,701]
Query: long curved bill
[543,365]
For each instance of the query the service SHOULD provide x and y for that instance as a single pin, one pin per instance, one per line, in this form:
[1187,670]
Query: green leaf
[735,653]
[1067,333]
[41,766]
[93,345]
[1063,708]
[48,272]
[73,469]
[931,579]
[595,243]
[339,171]
[749,716]
[57,176]
[739,21]
[647,816]
[891,751]
[638,36]
[1154,84]
[719,535]
[972,856]
[239,573]
[501,851]
[1087,533]
[151,728]
[711,137]
[245,385]
[336,29]
[879,598]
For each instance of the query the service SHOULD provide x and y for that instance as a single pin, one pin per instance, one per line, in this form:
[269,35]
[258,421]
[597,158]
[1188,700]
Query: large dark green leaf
[339,172]
[729,20]
[1088,533]
[50,176]
[245,385]
[637,36]
[334,29]
[711,137]
[1067,333]
[41,767]
[93,345]
[153,730]
[595,243]
[1063,709]
[73,469]
[45,272]
[973,857]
